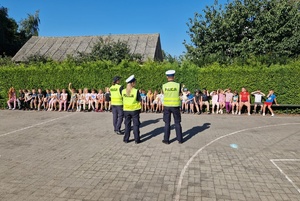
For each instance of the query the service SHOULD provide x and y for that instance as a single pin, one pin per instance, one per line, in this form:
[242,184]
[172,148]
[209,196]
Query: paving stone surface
[75,156]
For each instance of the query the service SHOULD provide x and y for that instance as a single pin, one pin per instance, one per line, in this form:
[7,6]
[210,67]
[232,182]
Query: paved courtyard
[76,156]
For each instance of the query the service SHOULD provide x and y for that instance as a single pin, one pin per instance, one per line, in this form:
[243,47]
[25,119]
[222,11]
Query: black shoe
[180,142]
[165,142]
[118,132]
[137,142]
[125,141]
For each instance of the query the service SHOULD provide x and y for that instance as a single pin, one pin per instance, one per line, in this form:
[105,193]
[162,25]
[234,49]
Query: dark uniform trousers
[133,116]
[118,115]
[177,120]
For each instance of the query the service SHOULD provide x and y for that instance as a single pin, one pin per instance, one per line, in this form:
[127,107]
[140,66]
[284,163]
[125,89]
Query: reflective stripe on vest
[171,94]
[116,97]
[129,102]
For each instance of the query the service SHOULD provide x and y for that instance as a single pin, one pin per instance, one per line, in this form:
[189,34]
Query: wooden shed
[58,48]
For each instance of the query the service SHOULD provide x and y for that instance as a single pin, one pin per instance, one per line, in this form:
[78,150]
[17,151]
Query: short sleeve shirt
[244,96]
[271,98]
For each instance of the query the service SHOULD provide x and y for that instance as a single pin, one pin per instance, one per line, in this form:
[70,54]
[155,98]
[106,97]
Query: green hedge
[284,79]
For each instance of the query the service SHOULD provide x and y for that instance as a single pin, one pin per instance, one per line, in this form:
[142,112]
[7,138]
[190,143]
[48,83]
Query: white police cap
[130,79]
[170,72]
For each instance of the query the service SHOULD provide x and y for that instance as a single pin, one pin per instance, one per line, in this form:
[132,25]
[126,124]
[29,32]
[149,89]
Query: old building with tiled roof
[58,48]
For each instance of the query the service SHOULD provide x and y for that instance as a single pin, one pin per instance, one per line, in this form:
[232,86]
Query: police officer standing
[132,109]
[171,91]
[117,104]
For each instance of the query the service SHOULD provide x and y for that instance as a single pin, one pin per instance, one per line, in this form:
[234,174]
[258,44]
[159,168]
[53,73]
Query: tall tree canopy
[243,28]
[13,36]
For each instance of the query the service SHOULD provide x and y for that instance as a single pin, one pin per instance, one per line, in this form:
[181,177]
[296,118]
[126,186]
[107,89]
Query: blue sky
[103,17]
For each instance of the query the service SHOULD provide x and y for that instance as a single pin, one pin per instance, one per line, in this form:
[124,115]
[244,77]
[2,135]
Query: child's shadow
[192,132]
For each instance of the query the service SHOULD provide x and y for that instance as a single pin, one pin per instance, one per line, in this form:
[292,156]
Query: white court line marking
[177,195]
[284,160]
[21,129]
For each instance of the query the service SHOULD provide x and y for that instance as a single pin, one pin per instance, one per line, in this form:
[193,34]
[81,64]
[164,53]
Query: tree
[11,37]
[30,25]
[8,30]
[109,50]
[268,29]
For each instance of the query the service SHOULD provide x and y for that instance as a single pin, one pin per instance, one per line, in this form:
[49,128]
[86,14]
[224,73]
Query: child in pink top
[221,100]
[12,98]
[63,100]
[228,99]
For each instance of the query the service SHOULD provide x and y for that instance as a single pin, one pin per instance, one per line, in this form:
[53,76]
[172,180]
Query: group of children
[53,100]
[214,102]
[231,102]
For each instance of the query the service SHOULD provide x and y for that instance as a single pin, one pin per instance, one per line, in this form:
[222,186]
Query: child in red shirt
[244,100]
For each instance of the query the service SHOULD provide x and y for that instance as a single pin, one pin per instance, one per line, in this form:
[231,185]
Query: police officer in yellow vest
[132,109]
[171,91]
[117,104]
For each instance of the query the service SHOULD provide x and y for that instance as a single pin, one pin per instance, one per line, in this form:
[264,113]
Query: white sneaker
[232,112]
[239,113]
[272,115]
[213,112]
[264,114]
[249,114]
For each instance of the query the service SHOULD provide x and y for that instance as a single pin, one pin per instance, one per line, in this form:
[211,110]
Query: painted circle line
[177,195]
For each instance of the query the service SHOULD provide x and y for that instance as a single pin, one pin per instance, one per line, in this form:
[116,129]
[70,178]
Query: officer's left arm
[139,98]
[121,89]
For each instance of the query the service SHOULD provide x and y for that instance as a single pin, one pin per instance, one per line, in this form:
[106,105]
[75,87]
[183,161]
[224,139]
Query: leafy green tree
[8,31]
[30,25]
[109,50]
[13,36]
[265,29]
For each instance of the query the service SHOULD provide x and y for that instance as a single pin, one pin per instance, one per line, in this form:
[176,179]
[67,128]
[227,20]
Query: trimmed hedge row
[284,79]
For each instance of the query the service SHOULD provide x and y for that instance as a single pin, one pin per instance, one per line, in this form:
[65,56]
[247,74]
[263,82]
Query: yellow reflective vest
[171,94]
[116,97]
[129,102]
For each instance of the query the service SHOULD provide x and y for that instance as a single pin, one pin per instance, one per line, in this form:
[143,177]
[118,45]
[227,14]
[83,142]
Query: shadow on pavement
[192,132]
[148,122]
[152,134]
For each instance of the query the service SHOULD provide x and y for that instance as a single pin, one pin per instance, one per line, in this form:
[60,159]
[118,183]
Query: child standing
[271,97]
[184,92]
[258,100]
